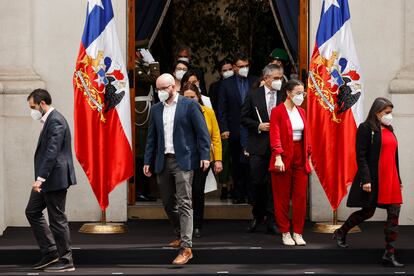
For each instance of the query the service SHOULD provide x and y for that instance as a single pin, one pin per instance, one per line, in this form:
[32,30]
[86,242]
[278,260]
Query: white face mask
[179,74]
[277,84]
[387,119]
[298,99]
[244,71]
[163,95]
[185,59]
[36,114]
[228,74]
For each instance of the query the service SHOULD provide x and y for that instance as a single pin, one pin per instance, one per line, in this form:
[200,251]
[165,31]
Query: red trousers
[291,185]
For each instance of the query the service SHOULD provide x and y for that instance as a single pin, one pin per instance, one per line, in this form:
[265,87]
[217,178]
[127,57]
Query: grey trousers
[175,189]
[53,239]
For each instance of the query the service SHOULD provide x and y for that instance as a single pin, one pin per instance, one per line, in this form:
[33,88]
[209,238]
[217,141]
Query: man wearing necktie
[255,116]
[232,93]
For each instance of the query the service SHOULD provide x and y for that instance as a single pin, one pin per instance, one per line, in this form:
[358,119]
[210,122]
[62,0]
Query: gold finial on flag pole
[103,227]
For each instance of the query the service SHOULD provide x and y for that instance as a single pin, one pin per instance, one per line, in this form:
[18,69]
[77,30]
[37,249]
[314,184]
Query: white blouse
[297,123]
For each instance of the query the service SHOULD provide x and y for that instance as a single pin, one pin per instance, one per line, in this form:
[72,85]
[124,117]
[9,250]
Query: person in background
[54,174]
[377,182]
[233,91]
[179,70]
[179,142]
[225,71]
[280,57]
[191,91]
[255,116]
[289,164]
[184,53]
[147,70]
[192,76]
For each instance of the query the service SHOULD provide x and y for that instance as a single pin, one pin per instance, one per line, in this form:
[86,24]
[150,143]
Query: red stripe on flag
[333,143]
[102,148]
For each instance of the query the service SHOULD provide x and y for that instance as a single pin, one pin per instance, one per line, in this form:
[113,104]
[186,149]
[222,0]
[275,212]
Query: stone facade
[38,48]
[384,38]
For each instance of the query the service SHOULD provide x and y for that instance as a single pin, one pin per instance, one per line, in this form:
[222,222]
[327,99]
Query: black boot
[253,225]
[340,238]
[388,259]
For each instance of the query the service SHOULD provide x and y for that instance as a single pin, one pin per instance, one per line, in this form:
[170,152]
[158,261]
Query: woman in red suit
[377,182]
[289,165]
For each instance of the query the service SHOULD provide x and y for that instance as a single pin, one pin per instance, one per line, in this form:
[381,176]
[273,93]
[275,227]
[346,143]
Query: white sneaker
[287,239]
[298,239]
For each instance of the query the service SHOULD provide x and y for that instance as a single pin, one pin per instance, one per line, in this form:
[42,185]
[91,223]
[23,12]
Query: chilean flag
[335,101]
[102,104]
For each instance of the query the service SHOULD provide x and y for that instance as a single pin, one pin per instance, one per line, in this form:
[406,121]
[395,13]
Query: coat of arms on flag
[335,101]
[101,81]
[103,140]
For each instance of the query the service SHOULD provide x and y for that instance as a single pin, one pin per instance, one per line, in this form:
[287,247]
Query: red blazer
[281,137]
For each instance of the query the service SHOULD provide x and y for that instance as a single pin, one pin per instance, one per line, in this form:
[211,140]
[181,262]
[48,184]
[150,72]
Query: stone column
[17,79]
[402,96]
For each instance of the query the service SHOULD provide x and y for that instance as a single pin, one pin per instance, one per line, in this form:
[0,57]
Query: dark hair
[289,86]
[182,62]
[192,87]
[39,95]
[240,56]
[378,105]
[188,74]
[223,62]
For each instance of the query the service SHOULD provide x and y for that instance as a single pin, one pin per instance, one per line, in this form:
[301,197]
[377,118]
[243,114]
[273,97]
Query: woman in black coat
[377,182]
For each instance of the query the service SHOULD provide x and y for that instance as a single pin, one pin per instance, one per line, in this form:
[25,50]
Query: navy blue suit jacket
[53,158]
[190,136]
[229,105]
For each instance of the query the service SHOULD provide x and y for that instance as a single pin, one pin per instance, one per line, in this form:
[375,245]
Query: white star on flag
[329,3]
[100,80]
[93,3]
[333,81]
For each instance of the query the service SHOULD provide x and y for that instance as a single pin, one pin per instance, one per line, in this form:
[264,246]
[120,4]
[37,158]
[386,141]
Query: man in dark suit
[255,116]
[179,141]
[233,91]
[54,173]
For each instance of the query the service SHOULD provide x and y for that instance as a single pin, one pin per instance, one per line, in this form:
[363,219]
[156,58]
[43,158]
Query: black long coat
[368,149]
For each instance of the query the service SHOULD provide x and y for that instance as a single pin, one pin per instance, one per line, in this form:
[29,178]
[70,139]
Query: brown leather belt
[169,155]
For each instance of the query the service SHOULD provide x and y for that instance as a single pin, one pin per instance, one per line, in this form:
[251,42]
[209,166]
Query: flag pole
[103,227]
[330,227]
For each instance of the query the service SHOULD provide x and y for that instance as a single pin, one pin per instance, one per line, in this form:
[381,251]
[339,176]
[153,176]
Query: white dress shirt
[42,122]
[297,123]
[168,116]
[268,93]
[44,118]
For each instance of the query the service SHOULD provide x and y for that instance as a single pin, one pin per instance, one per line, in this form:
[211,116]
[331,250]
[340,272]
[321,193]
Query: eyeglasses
[241,66]
[162,88]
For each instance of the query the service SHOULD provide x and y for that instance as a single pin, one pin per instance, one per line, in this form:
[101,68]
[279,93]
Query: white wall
[379,35]
[45,38]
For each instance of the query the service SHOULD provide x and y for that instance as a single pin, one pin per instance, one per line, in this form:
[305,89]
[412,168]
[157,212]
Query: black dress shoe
[145,198]
[272,229]
[47,260]
[340,238]
[389,260]
[197,233]
[239,201]
[253,225]
[224,193]
[60,266]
